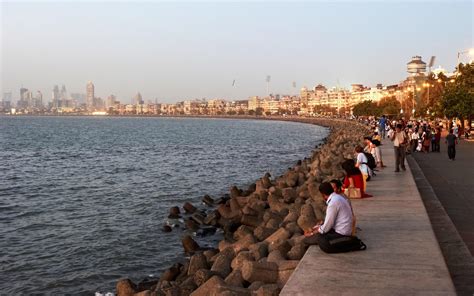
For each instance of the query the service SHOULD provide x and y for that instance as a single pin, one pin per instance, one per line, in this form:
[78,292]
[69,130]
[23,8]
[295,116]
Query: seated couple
[354,177]
[336,233]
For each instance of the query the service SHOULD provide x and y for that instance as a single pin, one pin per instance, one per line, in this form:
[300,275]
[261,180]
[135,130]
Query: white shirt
[398,138]
[362,160]
[338,215]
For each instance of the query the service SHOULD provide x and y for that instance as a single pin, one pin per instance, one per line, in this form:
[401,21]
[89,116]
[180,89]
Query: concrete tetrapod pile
[263,227]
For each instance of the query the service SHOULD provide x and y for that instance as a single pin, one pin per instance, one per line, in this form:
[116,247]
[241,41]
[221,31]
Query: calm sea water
[83,200]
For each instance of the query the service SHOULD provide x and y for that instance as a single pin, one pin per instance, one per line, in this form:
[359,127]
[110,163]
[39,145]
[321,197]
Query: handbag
[353,192]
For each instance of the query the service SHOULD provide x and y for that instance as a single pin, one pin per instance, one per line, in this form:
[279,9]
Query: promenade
[403,256]
[446,189]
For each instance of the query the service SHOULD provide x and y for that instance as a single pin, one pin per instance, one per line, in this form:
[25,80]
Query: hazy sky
[173,51]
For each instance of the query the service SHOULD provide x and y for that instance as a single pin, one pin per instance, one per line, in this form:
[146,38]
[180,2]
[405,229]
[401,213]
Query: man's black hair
[399,126]
[337,182]
[326,188]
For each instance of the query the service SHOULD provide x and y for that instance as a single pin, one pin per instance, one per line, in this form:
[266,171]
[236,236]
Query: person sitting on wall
[334,235]
[353,177]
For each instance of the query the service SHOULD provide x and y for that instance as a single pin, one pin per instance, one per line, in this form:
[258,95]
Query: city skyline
[209,50]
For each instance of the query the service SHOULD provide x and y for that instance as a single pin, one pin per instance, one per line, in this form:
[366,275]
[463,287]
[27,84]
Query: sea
[83,199]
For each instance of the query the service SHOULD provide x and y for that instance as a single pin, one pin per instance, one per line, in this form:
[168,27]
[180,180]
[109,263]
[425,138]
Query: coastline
[263,225]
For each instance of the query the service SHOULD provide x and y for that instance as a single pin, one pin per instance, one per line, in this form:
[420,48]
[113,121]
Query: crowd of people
[337,232]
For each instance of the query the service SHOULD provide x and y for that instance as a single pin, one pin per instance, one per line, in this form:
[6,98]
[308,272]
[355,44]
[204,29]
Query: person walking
[399,139]
[382,123]
[451,141]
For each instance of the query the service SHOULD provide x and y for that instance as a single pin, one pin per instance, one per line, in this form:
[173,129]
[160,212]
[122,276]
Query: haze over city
[175,51]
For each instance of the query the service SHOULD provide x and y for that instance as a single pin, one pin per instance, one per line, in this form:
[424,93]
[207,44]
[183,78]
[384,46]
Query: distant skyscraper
[110,102]
[23,92]
[63,96]
[90,96]
[137,99]
[39,99]
[5,105]
[55,97]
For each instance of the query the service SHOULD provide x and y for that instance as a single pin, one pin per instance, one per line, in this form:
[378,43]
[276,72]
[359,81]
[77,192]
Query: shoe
[396,171]
[404,168]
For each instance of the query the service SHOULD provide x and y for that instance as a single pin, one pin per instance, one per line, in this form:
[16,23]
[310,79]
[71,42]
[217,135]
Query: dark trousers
[399,157]
[333,242]
[452,151]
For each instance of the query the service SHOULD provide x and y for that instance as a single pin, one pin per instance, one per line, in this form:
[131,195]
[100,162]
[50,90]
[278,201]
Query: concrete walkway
[403,256]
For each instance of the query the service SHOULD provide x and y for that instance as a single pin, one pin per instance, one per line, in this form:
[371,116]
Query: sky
[171,51]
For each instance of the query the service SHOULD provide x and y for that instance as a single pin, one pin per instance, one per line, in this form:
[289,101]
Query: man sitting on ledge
[334,235]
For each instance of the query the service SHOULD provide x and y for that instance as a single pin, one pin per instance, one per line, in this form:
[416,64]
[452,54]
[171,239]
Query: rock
[297,252]
[147,284]
[209,286]
[307,220]
[189,208]
[198,218]
[257,205]
[145,293]
[174,213]
[289,195]
[242,231]
[210,253]
[293,228]
[226,212]
[197,261]
[239,260]
[187,286]
[255,285]
[251,221]
[221,265]
[211,218]
[275,256]
[280,234]
[275,204]
[273,223]
[202,275]
[268,290]
[291,178]
[191,224]
[247,210]
[223,244]
[189,245]
[244,243]
[230,291]
[285,269]
[281,245]
[260,271]
[166,228]
[259,250]
[125,287]
[235,279]
[234,192]
[262,232]
[234,205]
[208,200]
[171,273]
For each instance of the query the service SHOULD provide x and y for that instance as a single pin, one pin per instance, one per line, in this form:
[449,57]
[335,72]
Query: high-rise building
[5,104]
[110,102]
[90,96]
[55,97]
[137,99]
[63,96]
[39,99]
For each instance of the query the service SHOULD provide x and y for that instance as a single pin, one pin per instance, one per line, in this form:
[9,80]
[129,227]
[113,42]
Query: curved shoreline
[262,225]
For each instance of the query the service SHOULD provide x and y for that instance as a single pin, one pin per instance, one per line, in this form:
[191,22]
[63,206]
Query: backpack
[370,161]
